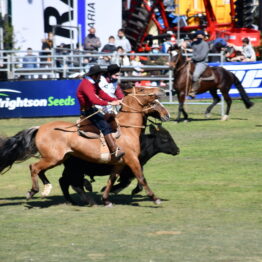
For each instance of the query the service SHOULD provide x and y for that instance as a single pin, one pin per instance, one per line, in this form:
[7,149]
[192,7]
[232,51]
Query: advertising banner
[105,16]
[38,98]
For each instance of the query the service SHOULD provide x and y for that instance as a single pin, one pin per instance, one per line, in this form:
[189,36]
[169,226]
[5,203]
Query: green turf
[211,201]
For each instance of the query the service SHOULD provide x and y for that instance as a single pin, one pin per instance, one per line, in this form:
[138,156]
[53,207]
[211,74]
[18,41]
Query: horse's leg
[216,100]
[42,165]
[65,189]
[110,183]
[181,100]
[138,172]
[47,185]
[228,102]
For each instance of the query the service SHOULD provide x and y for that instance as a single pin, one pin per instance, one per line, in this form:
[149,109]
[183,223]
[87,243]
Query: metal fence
[65,64]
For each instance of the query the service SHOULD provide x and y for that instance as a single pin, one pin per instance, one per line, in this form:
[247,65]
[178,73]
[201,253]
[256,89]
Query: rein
[99,110]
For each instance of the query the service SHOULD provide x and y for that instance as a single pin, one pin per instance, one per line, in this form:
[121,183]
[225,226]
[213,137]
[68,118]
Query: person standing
[122,41]
[89,95]
[29,61]
[92,42]
[200,50]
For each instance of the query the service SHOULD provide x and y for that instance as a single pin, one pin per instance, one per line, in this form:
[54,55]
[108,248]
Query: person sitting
[89,95]
[200,51]
[109,84]
[110,47]
[122,41]
[247,52]
[120,57]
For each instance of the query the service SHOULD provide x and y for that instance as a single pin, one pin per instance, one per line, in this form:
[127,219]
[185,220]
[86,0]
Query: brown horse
[155,110]
[212,80]
[54,145]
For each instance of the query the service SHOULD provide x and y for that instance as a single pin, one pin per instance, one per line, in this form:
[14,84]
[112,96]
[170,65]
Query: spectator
[122,41]
[104,60]
[247,51]
[48,42]
[120,57]
[92,42]
[168,43]
[29,61]
[110,47]
[217,47]
[136,63]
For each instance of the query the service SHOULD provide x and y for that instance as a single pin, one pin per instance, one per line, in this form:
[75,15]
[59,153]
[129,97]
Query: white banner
[33,19]
[28,23]
[105,16]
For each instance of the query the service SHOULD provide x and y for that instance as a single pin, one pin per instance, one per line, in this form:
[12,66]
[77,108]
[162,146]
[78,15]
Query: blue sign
[38,98]
[249,74]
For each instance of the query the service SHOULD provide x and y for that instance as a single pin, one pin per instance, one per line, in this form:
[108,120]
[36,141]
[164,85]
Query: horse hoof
[157,201]
[207,115]
[186,121]
[107,203]
[224,117]
[28,195]
[47,190]
[31,193]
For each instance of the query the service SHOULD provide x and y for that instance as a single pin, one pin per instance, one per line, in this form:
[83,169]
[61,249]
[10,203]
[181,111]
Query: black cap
[113,69]
[95,70]
[200,32]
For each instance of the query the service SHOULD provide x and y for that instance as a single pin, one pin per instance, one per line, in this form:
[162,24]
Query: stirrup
[192,94]
[117,154]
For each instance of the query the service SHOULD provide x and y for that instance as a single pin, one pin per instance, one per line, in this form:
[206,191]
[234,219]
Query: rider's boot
[116,152]
[194,88]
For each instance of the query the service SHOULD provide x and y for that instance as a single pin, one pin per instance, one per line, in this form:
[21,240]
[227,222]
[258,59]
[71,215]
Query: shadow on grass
[39,202]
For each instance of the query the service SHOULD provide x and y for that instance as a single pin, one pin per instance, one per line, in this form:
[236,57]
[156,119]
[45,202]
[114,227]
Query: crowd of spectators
[118,50]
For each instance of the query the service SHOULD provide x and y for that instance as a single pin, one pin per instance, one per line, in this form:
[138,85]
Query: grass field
[211,202]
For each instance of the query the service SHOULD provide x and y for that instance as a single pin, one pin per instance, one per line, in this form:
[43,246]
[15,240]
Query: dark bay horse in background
[54,145]
[212,80]
[158,141]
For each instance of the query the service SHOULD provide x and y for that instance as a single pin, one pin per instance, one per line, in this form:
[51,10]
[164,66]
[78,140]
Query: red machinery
[141,13]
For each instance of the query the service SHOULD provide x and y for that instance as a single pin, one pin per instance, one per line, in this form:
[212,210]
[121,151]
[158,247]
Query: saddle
[86,129]
[207,75]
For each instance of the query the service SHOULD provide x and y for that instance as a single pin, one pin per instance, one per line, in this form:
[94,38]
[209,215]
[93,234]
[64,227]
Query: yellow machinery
[192,8]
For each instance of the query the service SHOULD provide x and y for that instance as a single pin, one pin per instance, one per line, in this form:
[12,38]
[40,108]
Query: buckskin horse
[212,80]
[156,110]
[54,145]
[159,140]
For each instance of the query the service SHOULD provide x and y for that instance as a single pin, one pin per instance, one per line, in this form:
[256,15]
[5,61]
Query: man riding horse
[200,51]
[89,95]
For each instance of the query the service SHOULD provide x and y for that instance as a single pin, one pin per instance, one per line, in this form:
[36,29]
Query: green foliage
[211,201]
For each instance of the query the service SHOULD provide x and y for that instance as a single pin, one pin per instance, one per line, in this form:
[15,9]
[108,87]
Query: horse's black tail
[242,92]
[17,148]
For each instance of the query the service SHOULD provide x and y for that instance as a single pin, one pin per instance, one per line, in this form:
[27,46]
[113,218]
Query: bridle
[177,60]
[134,95]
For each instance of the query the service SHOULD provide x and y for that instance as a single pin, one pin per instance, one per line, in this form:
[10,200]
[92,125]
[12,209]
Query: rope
[99,110]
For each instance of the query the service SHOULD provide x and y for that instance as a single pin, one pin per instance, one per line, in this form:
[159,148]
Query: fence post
[170,81]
